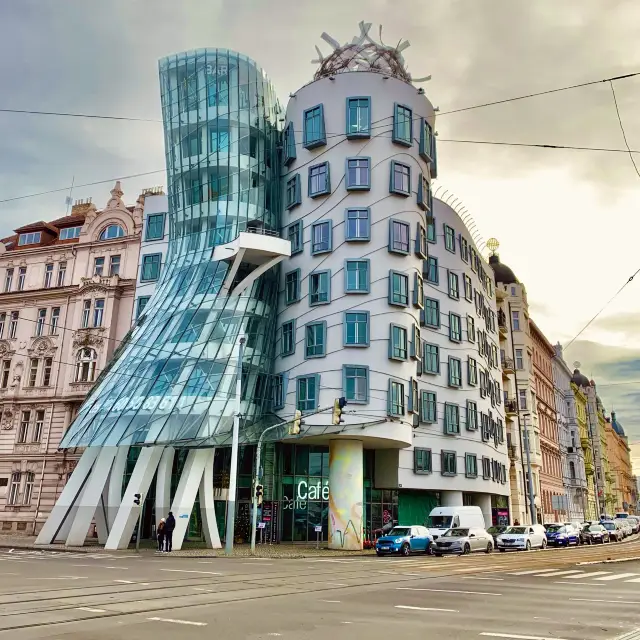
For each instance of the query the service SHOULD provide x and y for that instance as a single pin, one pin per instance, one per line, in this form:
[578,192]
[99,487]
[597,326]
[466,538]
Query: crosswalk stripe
[617,576]
[563,573]
[588,576]
[633,580]
[531,572]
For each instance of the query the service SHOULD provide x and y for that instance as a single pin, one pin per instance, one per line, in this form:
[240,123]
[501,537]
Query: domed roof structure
[617,427]
[580,379]
[502,272]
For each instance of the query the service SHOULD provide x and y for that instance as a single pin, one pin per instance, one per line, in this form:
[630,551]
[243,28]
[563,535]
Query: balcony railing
[513,452]
[510,405]
[507,364]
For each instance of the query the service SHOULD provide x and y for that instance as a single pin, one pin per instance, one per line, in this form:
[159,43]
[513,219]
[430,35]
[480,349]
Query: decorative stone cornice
[91,337]
[42,347]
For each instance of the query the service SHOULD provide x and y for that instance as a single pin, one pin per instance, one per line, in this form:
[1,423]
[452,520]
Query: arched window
[111,232]
[86,361]
[572,470]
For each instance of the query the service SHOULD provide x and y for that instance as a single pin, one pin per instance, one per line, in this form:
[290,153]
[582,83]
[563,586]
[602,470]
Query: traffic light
[136,499]
[338,405]
[294,428]
[259,493]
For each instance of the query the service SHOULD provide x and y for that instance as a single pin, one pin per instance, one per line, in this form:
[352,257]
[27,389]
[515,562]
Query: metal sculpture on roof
[363,53]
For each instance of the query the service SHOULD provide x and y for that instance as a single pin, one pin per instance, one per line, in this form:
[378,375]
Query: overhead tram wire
[624,135]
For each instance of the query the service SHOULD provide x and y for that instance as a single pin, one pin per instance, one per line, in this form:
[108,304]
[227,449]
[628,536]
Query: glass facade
[172,380]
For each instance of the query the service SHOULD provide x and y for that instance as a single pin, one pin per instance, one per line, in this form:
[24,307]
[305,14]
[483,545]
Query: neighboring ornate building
[67,289]
[623,488]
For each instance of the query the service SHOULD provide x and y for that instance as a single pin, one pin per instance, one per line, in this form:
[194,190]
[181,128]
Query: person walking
[161,535]
[169,526]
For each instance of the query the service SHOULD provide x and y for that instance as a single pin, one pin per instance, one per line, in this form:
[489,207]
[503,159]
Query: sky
[567,221]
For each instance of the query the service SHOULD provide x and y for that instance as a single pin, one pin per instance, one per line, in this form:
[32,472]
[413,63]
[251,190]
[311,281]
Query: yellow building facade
[591,505]
[620,474]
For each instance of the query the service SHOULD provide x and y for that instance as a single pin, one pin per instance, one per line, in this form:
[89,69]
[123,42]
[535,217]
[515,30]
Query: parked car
[625,525]
[405,540]
[496,530]
[595,534]
[634,521]
[562,535]
[523,537]
[463,541]
[616,534]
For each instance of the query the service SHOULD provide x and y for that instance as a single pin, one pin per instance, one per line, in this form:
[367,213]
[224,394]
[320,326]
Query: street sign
[318,529]
[262,525]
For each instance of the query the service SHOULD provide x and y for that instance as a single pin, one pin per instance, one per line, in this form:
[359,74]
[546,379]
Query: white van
[441,519]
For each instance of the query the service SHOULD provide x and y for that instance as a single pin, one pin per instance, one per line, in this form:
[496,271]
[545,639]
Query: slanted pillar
[207,505]
[163,484]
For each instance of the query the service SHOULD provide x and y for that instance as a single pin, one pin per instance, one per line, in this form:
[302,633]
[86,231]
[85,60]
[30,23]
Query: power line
[77,115]
[624,135]
[540,146]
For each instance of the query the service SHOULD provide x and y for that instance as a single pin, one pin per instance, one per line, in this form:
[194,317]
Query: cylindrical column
[451,498]
[346,490]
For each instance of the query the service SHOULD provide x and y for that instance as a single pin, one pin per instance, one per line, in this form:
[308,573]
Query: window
[219,140]
[421,460]
[421,241]
[8,280]
[398,346]
[14,489]
[294,192]
[307,388]
[86,361]
[454,289]
[315,340]
[418,291]
[62,271]
[141,304]
[46,372]
[356,329]
[321,237]
[13,325]
[70,232]
[23,430]
[22,276]
[38,428]
[33,372]
[471,329]
[572,470]
[472,416]
[292,287]
[41,322]
[402,125]
[358,118]
[515,320]
[519,359]
[355,383]
[192,144]
[48,275]
[455,372]
[468,288]
[398,289]
[472,371]
[357,225]
[319,180]
[455,327]
[288,343]
[400,179]
[431,230]
[449,238]
[448,463]
[424,193]
[431,313]
[111,232]
[6,370]
[150,267]
[3,320]
[523,399]
[279,391]
[114,265]
[356,276]
[358,174]
[471,465]
[464,249]
[294,234]
[431,269]
[319,287]
[86,313]
[426,140]
[396,406]
[313,123]
[28,487]
[98,266]
[399,236]
[431,358]
[155,227]
[289,144]
[29,238]
[429,407]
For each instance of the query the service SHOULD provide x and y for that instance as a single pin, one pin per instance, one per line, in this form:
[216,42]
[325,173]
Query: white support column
[186,493]
[207,504]
[68,497]
[102,526]
[91,497]
[163,484]
[114,490]
[128,512]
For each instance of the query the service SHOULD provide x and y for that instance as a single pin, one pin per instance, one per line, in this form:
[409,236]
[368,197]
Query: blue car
[560,535]
[405,541]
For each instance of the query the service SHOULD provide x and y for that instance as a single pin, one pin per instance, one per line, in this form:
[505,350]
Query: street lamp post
[532,506]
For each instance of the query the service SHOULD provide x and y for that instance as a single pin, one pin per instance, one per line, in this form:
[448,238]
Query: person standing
[161,535]
[169,526]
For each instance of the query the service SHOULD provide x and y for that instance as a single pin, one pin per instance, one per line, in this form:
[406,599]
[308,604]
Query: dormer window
[111,232]
[69,233]
[29,238]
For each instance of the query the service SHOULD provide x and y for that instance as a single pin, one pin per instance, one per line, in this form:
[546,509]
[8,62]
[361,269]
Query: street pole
[139,525]
[231,498]
[532,506]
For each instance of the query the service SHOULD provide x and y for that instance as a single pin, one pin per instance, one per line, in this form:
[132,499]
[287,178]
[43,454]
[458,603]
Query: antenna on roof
[69,200]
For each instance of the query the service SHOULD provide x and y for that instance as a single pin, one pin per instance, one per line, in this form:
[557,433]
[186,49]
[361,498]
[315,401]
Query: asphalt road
[523,596]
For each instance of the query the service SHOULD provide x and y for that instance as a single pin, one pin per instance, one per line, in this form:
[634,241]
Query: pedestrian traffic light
[259,493]
[338,406]
[136,499]
[294,428]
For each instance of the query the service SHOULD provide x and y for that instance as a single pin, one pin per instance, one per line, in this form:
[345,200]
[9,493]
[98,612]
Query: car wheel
[438,555]
[544,544]
[528,545]
[405,550]
[467,549]
[502,550]
[489,548]
[429,549]
[379,553]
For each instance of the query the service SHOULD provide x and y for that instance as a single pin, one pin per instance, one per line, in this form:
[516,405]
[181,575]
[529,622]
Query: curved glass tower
[173,379]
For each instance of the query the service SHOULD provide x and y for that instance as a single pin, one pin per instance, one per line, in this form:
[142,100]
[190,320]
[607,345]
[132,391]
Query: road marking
[62,578]
[260,564]
[203,589]
[564,573]
[531,572]
[480,578]
[406,606]
[634,579]
[125,581]
[588,576]
[274,634]
[517,637]
[195,624]
[607,601]
[477,593]
[90,610]
[332,584]
[583,584]
[617,576]
[331,601]
[209,573]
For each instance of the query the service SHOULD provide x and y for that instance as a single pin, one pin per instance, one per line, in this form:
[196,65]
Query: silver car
[463,541]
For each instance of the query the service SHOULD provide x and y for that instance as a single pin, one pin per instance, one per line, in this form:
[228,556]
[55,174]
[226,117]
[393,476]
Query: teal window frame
[279,391]
[141,303]
[355,221]
[472,371]
[414,398]
[295,237]
[471,329]
[468,288]
[398,342]
[449,238]
[328,224]
[422,461]
[429,407]
[402,125]
[218,140]
[421,242]
[424,198]
[315,171]
[351,185]
[415,349]
[292,278]
[470,465]
[431,308]
[455,327]
[360,320]
[426,141]
[362,270]
[448,463]
[403,170]
[288,338]
[431,272]
[486,468]
[315,343]
[399,245]
[451,419]
[288,144]
[430,357]
[314,134]
[398,289]
[320,287]
[309,403]
[472,415]
[151,267]
[355,372]
[293,192]
[454,369]
[453,284]
[155,221]
[354,104]
[396,403]
[464,249]
[418,291]
[432,237]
